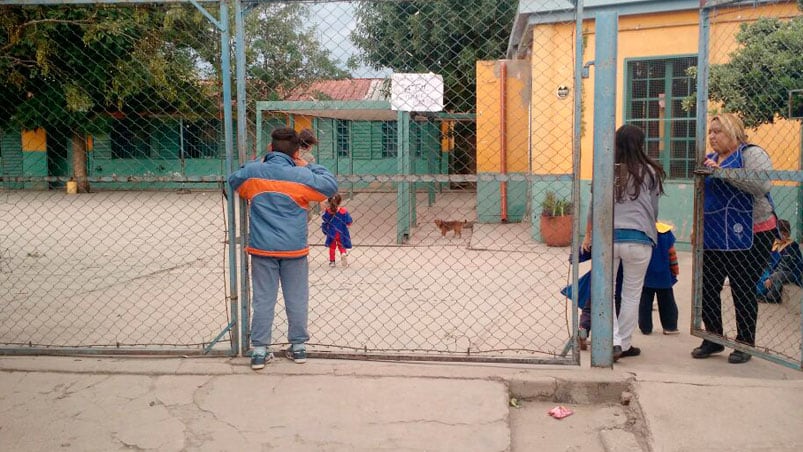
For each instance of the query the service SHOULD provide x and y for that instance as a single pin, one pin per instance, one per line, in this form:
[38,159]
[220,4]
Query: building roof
[343,90]
[361,99]
[533,12]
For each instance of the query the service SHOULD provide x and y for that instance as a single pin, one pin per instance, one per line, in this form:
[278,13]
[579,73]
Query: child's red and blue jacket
[278,194]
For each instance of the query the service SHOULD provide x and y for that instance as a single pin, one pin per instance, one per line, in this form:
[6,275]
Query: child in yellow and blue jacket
[662,274]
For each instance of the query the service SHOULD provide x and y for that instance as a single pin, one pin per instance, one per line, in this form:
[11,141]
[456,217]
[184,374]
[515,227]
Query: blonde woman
[738,231]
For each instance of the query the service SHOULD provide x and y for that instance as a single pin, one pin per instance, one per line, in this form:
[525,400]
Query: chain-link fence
[117,102]
[755,72]
[454,129]
[448,262]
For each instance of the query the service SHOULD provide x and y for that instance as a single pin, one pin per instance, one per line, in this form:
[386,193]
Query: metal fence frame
[223,26]
[706,6]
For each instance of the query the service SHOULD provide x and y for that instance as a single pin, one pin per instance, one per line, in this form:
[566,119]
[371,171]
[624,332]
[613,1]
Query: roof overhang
[535,12]
[362,110]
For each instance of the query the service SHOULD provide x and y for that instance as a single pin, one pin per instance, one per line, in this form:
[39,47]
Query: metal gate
[750,65]
[117,101]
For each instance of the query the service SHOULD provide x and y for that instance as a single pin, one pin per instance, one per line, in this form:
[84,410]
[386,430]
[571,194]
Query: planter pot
[556,231]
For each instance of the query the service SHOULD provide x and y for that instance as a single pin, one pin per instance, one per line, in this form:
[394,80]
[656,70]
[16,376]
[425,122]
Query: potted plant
[556,220]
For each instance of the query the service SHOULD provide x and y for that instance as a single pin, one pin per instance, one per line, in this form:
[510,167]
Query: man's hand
[768,283]
[299,161]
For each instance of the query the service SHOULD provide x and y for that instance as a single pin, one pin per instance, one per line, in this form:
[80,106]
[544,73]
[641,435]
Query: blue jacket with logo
[278,194]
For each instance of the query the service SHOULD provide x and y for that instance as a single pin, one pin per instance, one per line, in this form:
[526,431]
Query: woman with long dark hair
[638,182]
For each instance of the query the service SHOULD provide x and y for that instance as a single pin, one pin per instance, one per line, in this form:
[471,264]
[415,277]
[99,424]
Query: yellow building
[657,46]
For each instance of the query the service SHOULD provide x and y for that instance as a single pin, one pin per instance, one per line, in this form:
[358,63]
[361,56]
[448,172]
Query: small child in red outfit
[336,222]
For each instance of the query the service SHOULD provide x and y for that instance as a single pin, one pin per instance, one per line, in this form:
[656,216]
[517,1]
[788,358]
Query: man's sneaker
[344,260]
[739,357]
[332,264]
[258,360]
[299,355]
[706,349]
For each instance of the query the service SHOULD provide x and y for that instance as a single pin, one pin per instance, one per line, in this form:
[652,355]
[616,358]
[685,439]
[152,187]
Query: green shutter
[11,150]
[165,139]
[361,140]
[102,147]
[430,139]
[326,139]
[376,140]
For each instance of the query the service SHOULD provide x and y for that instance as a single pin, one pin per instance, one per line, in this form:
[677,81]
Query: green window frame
[390,137]
[655,90]
[343,137]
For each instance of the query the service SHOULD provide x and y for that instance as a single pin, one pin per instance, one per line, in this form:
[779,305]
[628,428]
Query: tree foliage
[755,83]
[72,67]
[445,37]
[282,53]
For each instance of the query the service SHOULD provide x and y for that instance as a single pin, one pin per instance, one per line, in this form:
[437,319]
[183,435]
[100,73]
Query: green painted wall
[676,206]
[489,200]
[35,164]
[11,157]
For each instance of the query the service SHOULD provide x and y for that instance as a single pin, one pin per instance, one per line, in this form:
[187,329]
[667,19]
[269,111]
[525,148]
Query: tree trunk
[79,162]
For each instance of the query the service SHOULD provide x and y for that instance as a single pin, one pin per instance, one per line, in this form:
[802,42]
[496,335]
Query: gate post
[606,31]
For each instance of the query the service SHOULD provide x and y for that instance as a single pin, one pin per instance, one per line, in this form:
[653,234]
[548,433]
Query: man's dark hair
[284,140]
[307,138]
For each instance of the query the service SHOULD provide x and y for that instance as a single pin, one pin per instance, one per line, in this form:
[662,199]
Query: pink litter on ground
[560,412]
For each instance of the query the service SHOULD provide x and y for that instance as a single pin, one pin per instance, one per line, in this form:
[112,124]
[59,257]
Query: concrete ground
[662,400]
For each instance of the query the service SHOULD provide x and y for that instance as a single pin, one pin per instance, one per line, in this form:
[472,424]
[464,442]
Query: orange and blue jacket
[278,194]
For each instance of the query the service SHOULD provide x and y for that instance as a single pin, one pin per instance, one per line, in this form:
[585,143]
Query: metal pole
[578,118]
[228,132]
[606,29]
[242,148]
[701,132]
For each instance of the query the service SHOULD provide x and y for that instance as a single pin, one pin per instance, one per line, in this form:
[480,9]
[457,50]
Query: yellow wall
[553,117]
[302,122]
[34,140]
[489,108]
[781,139]
[644,36]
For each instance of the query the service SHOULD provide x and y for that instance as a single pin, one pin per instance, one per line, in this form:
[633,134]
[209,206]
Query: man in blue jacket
[279,189]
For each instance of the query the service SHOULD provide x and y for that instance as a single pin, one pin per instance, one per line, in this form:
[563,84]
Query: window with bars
[390,134]
[343,137]
[656,89]
[200,139]
[130,139]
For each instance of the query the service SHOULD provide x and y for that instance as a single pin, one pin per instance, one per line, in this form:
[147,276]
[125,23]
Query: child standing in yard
[336,222]
[662,274]
[786,266]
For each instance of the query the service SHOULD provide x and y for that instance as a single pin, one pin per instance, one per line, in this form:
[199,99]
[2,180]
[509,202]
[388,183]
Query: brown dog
[446,226]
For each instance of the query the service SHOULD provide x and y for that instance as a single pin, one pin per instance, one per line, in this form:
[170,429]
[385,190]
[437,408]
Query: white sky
[334,22]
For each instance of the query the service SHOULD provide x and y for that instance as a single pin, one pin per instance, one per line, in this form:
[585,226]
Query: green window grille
[326,139]
[390,136]
[343,137]
[361,135]
[656,89]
